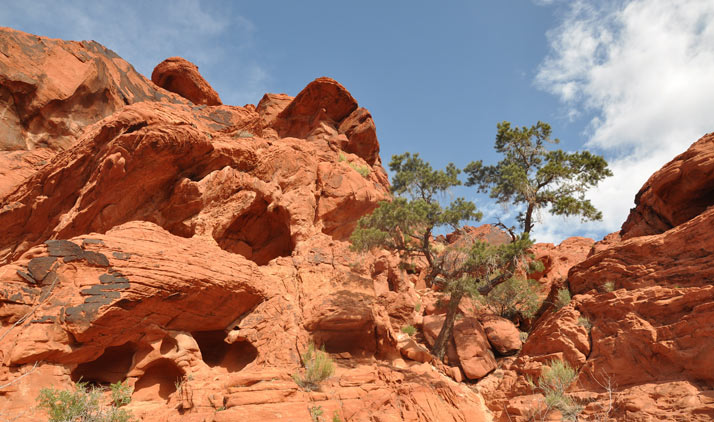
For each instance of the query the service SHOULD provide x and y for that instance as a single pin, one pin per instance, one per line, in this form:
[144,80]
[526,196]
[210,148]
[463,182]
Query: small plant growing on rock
[410,330]
[121,393]
[85,404]
[362,170]
[318,367]
[608,287]
[553,383]
[523,335]
[316,413]
[584,322]
[563,298]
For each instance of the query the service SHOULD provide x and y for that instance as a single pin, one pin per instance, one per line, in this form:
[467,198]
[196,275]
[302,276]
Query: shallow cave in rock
[160,380]
[217,353]
[358,343]
[112,366]
[259,234]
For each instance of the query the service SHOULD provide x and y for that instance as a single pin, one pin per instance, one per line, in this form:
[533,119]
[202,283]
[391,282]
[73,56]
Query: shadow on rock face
[217,353]
[112,366]
[158,382]
[259,234]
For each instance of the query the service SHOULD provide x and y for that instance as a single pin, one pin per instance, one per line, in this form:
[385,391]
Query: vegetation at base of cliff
[532,176]
[85,404]
[554,381]
[316,413]
[318,367]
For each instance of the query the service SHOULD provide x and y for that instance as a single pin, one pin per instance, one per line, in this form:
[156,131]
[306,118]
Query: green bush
[316,413]
[121,394]
[563,298]
[409,330]
[513,297]
[609,286]
[318,367]
[553,383]
[362,170]
[84,404]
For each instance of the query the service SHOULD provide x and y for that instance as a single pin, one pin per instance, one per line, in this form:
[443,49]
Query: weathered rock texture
[641,317]
[50,89]
[178,75]
[678,192]
[195,251]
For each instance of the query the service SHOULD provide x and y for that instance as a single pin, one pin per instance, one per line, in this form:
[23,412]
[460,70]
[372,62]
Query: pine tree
[406,225]
[531,175]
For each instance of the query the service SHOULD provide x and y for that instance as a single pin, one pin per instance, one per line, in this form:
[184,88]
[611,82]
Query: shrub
[316,413]
[409,330]
[84,404]
[523,335]
[563,298]
[362,170]
[584,322]
[417,307]
[318,367]
[609,286]
[553,383]
[514,296]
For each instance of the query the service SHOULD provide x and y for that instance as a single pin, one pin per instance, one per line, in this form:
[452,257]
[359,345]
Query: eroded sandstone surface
[639,328]
[194,249]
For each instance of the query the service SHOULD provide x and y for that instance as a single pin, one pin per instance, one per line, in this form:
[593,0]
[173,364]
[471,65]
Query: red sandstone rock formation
[640,320]
[50,89]
[678,192]
[195,251]
[178,75]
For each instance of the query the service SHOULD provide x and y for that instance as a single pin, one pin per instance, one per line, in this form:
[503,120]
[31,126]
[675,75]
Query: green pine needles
[532,176]
[406,224]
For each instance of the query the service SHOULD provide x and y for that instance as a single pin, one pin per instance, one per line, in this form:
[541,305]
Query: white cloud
[643,69]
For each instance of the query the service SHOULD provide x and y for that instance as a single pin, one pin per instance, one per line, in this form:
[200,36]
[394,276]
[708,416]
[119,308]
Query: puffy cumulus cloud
[642,70]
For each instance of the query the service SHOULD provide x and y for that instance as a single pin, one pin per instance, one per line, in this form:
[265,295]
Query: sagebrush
[318,366]
[84,404]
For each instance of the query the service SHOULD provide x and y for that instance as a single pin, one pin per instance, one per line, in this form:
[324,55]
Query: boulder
[469,347]
[502,334]
[178,75]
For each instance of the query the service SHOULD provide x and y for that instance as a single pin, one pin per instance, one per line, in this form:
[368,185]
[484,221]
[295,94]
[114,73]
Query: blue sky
[631,80]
